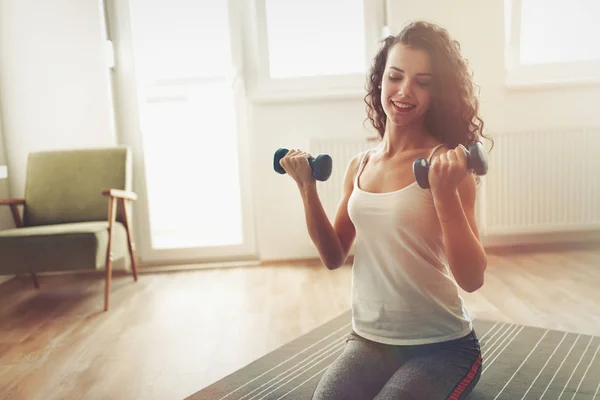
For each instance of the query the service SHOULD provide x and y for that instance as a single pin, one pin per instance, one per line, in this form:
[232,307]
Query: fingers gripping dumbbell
[476,161]
[321,165]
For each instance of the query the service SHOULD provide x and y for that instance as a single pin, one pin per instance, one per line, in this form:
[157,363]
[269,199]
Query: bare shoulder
[352,168]
[439,149]
[356,160]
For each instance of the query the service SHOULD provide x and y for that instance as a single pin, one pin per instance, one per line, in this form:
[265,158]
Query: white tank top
[402,289]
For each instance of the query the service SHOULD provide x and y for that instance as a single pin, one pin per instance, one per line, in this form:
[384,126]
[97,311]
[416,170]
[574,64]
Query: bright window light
[188,122]
[181,38]
[554,31]
[315,37]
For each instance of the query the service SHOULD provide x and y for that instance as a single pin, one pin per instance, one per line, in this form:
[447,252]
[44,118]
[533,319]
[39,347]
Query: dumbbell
[321,165]
[476,160]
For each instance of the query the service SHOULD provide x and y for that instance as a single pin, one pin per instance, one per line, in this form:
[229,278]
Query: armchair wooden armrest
[120,194]
[11,202]
[14,203]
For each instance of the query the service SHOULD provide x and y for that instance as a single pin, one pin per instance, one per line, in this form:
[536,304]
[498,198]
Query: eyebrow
[421,73]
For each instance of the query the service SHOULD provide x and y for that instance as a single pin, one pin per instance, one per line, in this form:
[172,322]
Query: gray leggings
[370,370]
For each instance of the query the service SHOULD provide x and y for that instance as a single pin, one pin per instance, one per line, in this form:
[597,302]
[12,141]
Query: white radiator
[341,151]
[538,181]
[543,181]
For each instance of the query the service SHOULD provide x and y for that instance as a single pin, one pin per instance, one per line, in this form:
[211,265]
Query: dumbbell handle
[476,161]
[321,165]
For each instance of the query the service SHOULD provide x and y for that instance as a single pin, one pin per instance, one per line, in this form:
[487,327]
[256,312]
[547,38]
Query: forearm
[465,254]
[320,229]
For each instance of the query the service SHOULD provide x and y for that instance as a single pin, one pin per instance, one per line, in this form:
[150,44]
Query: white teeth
[402,105]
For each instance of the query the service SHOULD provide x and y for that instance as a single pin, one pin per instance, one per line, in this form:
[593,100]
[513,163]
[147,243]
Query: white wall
[55,83]
[5,215]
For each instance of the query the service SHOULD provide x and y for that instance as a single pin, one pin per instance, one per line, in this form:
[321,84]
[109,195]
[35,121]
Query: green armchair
[76,215]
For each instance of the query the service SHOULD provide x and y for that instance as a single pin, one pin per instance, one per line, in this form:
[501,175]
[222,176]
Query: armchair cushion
[72,246]
[65,186]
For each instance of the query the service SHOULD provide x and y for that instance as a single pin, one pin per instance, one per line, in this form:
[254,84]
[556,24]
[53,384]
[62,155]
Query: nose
[406,88]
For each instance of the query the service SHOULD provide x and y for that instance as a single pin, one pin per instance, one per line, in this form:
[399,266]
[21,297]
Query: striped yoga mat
[519,363]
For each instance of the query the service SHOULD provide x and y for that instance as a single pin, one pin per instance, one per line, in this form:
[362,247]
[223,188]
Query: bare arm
[454,191]
[333,241]
[466,256]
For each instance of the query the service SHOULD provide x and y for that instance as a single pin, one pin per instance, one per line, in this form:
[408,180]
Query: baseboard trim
[542,247]
[543,241]
[497,245]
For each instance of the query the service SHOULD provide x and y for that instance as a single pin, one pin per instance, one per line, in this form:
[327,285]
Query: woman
[412,337]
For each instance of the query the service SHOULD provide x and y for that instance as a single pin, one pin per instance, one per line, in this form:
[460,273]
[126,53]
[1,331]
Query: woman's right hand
[295,163]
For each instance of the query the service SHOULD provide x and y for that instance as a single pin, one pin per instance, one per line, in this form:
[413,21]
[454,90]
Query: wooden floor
[171,334]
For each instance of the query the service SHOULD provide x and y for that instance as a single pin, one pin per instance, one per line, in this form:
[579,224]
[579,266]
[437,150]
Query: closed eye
[397,74]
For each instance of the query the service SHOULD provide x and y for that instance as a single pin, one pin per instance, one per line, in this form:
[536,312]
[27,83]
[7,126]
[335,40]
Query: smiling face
[406,85]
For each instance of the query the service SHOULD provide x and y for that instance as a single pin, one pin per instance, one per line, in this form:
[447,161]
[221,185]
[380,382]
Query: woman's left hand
[448,170]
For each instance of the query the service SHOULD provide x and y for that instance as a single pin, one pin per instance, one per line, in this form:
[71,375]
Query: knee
[391,393]
[330,392]
[329,389]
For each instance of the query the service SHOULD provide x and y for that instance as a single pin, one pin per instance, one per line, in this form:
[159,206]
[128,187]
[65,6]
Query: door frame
[127,115]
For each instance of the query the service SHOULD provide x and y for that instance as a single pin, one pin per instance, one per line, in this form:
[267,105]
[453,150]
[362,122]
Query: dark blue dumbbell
[476,160]
[321,165]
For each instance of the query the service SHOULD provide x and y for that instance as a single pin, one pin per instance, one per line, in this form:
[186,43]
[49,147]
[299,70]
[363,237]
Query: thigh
[358,373]
[439,373]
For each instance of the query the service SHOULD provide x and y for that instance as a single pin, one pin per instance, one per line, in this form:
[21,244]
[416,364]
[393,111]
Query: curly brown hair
[453,115]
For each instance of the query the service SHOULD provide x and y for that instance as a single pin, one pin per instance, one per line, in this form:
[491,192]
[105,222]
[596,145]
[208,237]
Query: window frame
[262,88]
[130,99]
[520,76]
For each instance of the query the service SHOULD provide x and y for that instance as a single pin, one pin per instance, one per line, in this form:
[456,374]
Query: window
[314,47]
[552,42]
[180,40]
[550,33]
[194,166]
[304,39]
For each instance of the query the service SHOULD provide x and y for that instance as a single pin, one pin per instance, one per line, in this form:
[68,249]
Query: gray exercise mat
[519,362]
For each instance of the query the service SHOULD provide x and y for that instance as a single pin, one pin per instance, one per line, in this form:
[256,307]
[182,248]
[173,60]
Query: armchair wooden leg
[130,242]
[19,223]
[35,280]
[112,208]
[16,216]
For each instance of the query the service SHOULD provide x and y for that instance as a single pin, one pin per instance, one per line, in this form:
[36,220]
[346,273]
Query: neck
[402,138]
